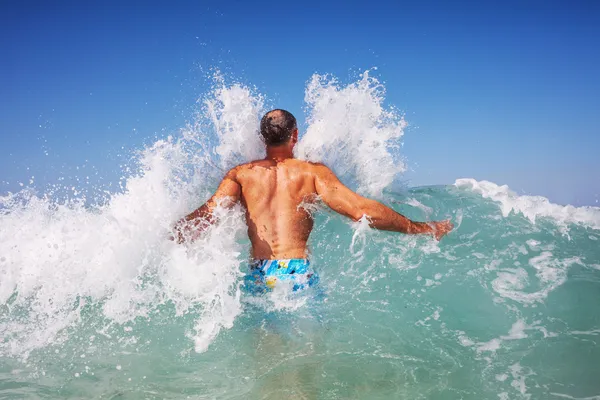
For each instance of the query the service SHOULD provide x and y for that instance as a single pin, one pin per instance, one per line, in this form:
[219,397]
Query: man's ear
[295,136]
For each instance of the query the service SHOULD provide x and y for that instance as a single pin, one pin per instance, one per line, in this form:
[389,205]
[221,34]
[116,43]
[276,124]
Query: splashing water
[351,131]
[96,302]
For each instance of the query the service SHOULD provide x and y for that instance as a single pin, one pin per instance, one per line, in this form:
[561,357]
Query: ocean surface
[95,302]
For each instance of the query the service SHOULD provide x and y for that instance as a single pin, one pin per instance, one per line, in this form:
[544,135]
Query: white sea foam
[516,332]
[532,207]
[57,258]
[519,375]
[352,132]
[566,396]
[61,257]
[549,271]
[417,204]
[235,114]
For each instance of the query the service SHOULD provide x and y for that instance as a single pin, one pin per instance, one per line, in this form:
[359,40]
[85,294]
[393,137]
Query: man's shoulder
[299,163]
[250,165]
[308,166]
[313,168]
[316,167]
[242,169]
[303,163]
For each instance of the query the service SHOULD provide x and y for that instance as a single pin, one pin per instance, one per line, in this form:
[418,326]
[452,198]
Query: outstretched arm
[227,194]
[344,201]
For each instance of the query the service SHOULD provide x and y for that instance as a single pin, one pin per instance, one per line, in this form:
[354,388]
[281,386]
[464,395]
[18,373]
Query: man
[272,191]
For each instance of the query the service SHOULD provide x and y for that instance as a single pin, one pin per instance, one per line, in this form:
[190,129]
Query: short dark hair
[277,126]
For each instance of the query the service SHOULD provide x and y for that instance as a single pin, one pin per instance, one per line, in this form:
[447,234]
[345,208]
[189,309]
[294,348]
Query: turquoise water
[95,302]
[501,307]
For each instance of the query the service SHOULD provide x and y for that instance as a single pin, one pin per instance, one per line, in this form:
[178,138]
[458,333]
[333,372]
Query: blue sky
[503,91]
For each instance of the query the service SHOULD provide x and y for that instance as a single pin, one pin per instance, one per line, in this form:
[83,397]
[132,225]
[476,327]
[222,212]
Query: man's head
[278,127]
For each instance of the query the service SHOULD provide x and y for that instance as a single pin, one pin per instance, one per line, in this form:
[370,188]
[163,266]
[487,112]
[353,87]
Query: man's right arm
[344,201]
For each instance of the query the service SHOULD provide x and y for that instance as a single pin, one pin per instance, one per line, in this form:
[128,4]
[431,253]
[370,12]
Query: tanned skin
[272,191]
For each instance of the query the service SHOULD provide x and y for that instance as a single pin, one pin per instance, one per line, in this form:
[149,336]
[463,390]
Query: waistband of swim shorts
[264,260]
[271,265]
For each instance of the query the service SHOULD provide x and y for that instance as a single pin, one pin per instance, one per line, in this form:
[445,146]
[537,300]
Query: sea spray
[95,301]
[350,130]
[61,256]
[58,257]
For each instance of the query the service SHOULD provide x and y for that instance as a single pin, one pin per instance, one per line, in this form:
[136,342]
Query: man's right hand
[441,228]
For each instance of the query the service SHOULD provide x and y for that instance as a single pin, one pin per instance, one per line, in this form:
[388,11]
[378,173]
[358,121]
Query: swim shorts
[264,275]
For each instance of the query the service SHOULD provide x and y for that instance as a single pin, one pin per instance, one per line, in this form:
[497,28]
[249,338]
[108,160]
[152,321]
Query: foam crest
[532,207]
[351,131]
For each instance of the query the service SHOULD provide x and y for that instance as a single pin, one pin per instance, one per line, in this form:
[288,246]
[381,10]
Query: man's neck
[279,153]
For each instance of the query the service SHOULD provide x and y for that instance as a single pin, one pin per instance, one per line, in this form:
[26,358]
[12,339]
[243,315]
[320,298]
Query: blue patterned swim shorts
[264,275]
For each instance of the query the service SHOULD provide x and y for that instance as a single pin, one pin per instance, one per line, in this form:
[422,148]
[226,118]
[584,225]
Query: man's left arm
[227,194]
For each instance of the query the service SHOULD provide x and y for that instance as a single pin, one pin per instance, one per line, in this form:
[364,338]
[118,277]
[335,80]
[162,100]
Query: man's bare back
[273,191]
